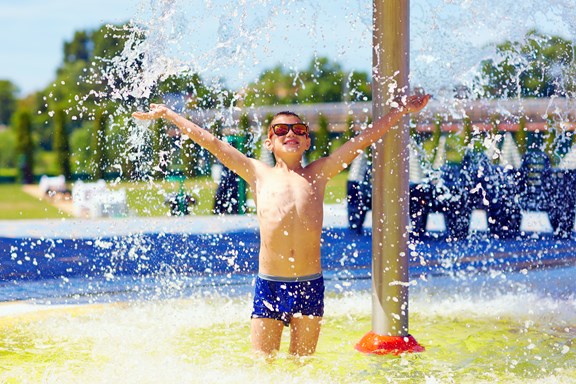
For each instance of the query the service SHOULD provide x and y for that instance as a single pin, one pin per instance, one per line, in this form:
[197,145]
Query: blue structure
[477,183]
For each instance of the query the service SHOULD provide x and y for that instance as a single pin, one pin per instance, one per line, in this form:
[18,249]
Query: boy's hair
[281,113]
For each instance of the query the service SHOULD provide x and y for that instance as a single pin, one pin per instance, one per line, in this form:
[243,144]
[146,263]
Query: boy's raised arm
[226,153]
[343,156]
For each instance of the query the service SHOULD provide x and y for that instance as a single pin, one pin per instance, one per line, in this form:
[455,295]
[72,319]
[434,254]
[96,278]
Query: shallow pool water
[488,328]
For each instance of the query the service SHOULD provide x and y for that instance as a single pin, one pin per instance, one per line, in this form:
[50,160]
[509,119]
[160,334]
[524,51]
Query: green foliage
[358,87]
[435,141]
[45,163]
[61,145]
[79,87]
[521,137]
[246,134]
[161,151]
[24,146]
[191,157]
[321,142]
[78,49]
[538,66]
[98,145]
[454,144]
[322,81]
[8,99]
[117,145]
[190,88]
[80,141]
[7,149]
[349,132]
[108,41]
[550,147]
[273,87]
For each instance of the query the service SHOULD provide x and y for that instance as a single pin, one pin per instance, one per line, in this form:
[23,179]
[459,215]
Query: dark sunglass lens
[299,129]
[281,129]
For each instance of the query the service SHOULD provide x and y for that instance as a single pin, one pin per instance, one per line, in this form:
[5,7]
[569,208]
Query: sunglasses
[282,129]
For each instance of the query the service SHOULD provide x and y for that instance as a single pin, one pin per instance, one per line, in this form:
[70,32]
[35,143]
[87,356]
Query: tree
[349,133]
[61,144]
[98,146]
[7,148]
[321,145]
[161,150]
[78,48]
[8,99]
[80,141]
[322,81]
[274,86]
[538,66]
[80,86]
[246,135]
[358,87]
[188,90]
[25,146]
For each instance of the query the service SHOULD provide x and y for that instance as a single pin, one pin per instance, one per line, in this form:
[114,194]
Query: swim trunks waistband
[284,279]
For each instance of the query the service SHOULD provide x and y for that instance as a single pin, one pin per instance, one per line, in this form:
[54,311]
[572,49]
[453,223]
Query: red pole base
[388,345]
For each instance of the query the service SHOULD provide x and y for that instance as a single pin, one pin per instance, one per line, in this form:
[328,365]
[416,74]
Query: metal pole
[390,189]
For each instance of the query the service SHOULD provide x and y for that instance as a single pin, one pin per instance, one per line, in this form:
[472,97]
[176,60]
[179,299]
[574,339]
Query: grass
[148,199]
[143,199]
[15,204]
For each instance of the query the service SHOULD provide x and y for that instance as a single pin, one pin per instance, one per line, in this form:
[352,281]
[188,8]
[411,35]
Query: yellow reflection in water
[202,340]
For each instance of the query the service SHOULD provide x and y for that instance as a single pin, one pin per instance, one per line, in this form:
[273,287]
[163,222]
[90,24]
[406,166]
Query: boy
[289,207]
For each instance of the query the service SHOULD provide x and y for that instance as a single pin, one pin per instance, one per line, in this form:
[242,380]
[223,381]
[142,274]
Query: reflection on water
[515,327]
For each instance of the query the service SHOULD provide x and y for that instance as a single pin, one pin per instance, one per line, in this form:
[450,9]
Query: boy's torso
[290,212]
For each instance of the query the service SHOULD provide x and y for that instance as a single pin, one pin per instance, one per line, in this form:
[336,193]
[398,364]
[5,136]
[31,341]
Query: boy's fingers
[142,115]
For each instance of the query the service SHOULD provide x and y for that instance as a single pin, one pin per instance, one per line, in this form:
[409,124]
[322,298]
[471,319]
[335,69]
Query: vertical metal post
[390,190]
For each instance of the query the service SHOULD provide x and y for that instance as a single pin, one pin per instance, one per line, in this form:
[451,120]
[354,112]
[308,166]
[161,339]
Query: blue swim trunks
[280,298]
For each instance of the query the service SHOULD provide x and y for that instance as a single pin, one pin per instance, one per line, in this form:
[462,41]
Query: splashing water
[228,44]
[471,333]
[232,43]
[477,334]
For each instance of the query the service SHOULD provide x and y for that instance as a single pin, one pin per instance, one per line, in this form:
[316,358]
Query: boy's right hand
[157,111]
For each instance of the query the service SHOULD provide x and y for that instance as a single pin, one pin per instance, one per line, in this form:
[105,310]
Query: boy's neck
[292,164]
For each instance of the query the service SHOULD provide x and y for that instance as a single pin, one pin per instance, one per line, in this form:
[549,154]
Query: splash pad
[480,318]
[492,318]
[503,328]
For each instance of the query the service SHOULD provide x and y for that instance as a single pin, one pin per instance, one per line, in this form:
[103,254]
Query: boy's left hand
[413,103]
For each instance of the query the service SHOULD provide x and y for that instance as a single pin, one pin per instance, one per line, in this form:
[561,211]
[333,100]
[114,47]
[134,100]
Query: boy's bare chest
[288,193]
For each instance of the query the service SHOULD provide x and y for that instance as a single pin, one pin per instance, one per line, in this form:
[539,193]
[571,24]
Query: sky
[33,32]
[236,40]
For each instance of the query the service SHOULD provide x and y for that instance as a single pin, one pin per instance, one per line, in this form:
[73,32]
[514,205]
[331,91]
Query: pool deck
[335,216]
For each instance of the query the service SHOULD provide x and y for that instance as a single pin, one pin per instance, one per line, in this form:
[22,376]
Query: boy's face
[289,143]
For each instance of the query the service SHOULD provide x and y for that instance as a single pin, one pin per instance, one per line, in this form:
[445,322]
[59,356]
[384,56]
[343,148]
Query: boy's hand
[157,111]
[413,103]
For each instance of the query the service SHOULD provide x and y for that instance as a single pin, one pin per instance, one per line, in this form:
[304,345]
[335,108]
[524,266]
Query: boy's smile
[289,142]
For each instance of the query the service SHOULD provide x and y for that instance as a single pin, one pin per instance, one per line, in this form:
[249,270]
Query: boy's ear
[308,142]
[268,144]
